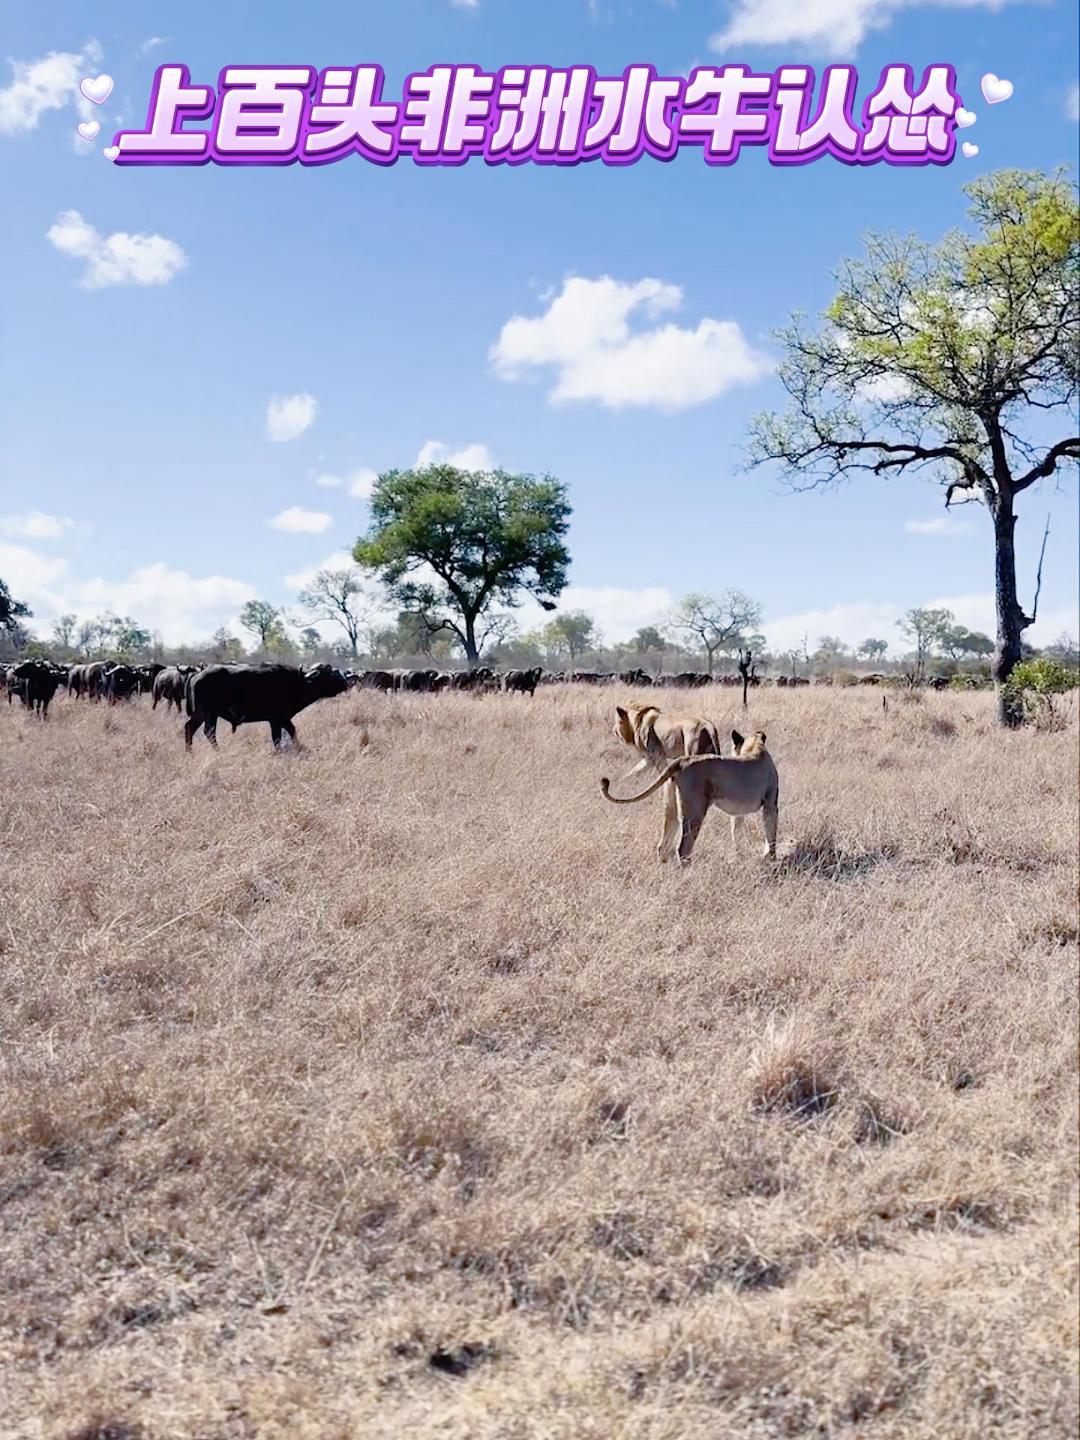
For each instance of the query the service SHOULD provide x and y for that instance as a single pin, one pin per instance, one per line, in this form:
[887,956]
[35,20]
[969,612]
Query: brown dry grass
[393,1089]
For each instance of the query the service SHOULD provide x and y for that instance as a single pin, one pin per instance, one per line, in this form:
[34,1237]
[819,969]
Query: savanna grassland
[391,1088]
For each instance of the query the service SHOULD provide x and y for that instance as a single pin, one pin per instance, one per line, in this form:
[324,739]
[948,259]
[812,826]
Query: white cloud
[465,4]
[939,525]
[182,607]
[860,620]
[117,259]
[46,84]
[297,521]
[618,612]
[28,575]
[288,416]
[339,560]
[153,43]
[35,525]
[362,483]
[884,389]
[469,457]
[330,482]
[585,335]
[833,28]
[1072,104]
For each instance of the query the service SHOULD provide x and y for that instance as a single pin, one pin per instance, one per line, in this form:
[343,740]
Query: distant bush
[845,677]
[1038,682]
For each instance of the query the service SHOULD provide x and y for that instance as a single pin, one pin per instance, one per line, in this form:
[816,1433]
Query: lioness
[660,736]
[740,784]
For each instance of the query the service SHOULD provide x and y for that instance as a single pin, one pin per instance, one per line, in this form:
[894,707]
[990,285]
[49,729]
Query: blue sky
[137,472]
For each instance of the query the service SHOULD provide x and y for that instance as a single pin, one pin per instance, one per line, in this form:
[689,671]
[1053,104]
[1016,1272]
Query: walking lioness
[740,784]
[660,736]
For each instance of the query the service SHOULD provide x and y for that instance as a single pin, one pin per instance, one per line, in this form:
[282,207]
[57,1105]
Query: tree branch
[1038,573]
[1063,450]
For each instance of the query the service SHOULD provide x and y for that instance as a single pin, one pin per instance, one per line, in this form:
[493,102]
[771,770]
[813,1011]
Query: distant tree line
[706,632]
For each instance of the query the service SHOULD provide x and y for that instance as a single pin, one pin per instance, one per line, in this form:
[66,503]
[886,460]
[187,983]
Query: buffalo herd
[275,694]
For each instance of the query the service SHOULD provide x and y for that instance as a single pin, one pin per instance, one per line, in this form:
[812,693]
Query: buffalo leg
[275,734]
[290,730]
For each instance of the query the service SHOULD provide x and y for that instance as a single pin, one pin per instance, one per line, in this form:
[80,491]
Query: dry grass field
[392,1089]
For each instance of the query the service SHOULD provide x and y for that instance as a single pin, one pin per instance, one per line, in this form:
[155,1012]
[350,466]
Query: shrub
[1037,682]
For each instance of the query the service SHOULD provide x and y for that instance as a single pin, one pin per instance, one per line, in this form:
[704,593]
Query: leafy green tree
[456,545]
[383,642]
[830,651]
[311,642]
[264,621]
[571,634]
[720,624]
[925,628]
[125,637]
[872,649]
[11,610]
[646,640]
[64,630]
[957,641]
[225,647]
[942,357]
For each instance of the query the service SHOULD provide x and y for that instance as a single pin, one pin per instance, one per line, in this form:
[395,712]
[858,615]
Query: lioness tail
[672,769]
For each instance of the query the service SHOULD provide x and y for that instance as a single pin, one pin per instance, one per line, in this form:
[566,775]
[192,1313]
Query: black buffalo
[35,682]
[247,694]
[376,680]
[121,683]
[522,682]
[169,686]
[147,674]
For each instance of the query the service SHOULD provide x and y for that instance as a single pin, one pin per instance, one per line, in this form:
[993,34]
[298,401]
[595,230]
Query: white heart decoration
[98,88]
[970,151]
[964,118]
[89,129]
[995,90]
[111,152]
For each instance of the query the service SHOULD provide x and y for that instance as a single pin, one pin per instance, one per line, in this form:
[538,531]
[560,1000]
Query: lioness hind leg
[670,834]
[691,815]
[769,816]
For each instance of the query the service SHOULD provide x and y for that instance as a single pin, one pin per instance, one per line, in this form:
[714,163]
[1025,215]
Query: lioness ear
[761,736]
[620,712]
[737,740]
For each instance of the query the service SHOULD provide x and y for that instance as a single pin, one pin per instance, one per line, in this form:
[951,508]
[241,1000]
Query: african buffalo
[247,694]
[521,682]
[35,682]
[169,686]
[121,683]
[418,681]
[482,678]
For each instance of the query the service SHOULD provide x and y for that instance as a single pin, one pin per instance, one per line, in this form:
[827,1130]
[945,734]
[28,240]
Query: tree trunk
[1011,620]
[472,654]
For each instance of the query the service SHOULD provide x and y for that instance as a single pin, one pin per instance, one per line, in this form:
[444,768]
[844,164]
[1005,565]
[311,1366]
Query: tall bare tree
[339,596]
[720,624]
[957,358]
